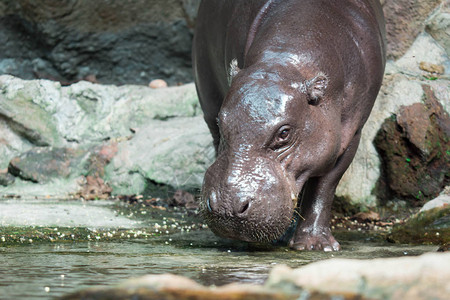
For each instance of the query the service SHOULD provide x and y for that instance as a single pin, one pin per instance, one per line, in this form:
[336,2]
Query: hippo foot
[314,241]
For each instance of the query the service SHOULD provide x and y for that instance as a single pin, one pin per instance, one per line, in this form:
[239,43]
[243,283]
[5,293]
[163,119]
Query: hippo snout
[250,202]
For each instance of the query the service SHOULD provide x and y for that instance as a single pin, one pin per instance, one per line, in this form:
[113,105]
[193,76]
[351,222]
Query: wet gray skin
[285,87]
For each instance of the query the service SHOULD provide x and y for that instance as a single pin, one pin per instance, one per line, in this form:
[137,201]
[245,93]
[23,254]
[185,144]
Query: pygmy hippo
[286,87]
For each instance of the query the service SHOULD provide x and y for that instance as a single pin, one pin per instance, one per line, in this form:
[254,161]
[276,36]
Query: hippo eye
[282,137]
[284,134]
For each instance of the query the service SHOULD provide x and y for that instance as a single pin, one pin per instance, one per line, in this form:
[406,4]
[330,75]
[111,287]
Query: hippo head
[272,139]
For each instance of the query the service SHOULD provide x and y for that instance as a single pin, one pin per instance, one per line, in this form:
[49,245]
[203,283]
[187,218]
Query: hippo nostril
[211,202]
[208,204]
[244,206]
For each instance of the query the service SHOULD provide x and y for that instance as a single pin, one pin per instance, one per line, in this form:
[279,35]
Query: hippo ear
[315,88]
[233,71]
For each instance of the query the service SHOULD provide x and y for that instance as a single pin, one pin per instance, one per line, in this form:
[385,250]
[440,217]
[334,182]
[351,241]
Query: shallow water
[49,270]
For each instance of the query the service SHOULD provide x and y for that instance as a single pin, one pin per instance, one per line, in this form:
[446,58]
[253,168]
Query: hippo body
[286,87]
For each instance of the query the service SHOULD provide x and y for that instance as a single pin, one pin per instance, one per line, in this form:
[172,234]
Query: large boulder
[89,137]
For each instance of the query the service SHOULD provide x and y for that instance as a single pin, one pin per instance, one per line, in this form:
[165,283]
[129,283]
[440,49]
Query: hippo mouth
[248,229]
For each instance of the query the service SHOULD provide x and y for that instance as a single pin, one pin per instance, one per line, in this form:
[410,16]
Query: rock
[414,122]
[444,248]
[430,226]
[168,286]
[41,165]
[423,277]
[438,26]
[37,126]
[441,201]
[414,149]
[84,116]
[94,188]
[6,178]
[175,152]
[369,216]
[183,199]
[157,84]
[83,112]
[424,49]
[99,157]
[117,42]
[404,22]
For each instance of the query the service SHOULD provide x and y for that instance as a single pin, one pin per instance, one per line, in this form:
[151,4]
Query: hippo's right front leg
[313,231]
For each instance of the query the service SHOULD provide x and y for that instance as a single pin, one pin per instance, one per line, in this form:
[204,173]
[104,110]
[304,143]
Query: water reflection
[51,270]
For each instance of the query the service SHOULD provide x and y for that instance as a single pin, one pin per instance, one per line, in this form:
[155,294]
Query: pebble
[157,84]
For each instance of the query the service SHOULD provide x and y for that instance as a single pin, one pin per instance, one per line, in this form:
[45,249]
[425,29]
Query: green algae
[10,236]
[431,227]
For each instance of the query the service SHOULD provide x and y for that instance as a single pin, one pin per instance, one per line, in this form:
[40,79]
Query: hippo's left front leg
[313,231]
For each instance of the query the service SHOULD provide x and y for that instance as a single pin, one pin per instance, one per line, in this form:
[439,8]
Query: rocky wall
[108,41]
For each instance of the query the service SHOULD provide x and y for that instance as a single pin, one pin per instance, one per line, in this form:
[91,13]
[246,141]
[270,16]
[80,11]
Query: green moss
[10,236]
[428,227]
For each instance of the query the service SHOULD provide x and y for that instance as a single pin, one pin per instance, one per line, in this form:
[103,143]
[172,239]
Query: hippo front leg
[313,231]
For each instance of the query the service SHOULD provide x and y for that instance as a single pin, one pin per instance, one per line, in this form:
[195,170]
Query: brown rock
[414,149]
[183,199]
[415,123]
[366,216]
[95,188]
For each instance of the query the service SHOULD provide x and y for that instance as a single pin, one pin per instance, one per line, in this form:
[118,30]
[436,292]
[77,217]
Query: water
[49,270]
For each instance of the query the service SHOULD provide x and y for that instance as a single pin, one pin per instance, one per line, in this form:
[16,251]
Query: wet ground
[148,241]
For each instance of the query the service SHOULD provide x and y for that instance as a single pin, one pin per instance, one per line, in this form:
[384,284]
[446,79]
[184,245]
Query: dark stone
[6,178]
[116,41]
[41,164]
[183,199]
[444,248]
[414,148]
